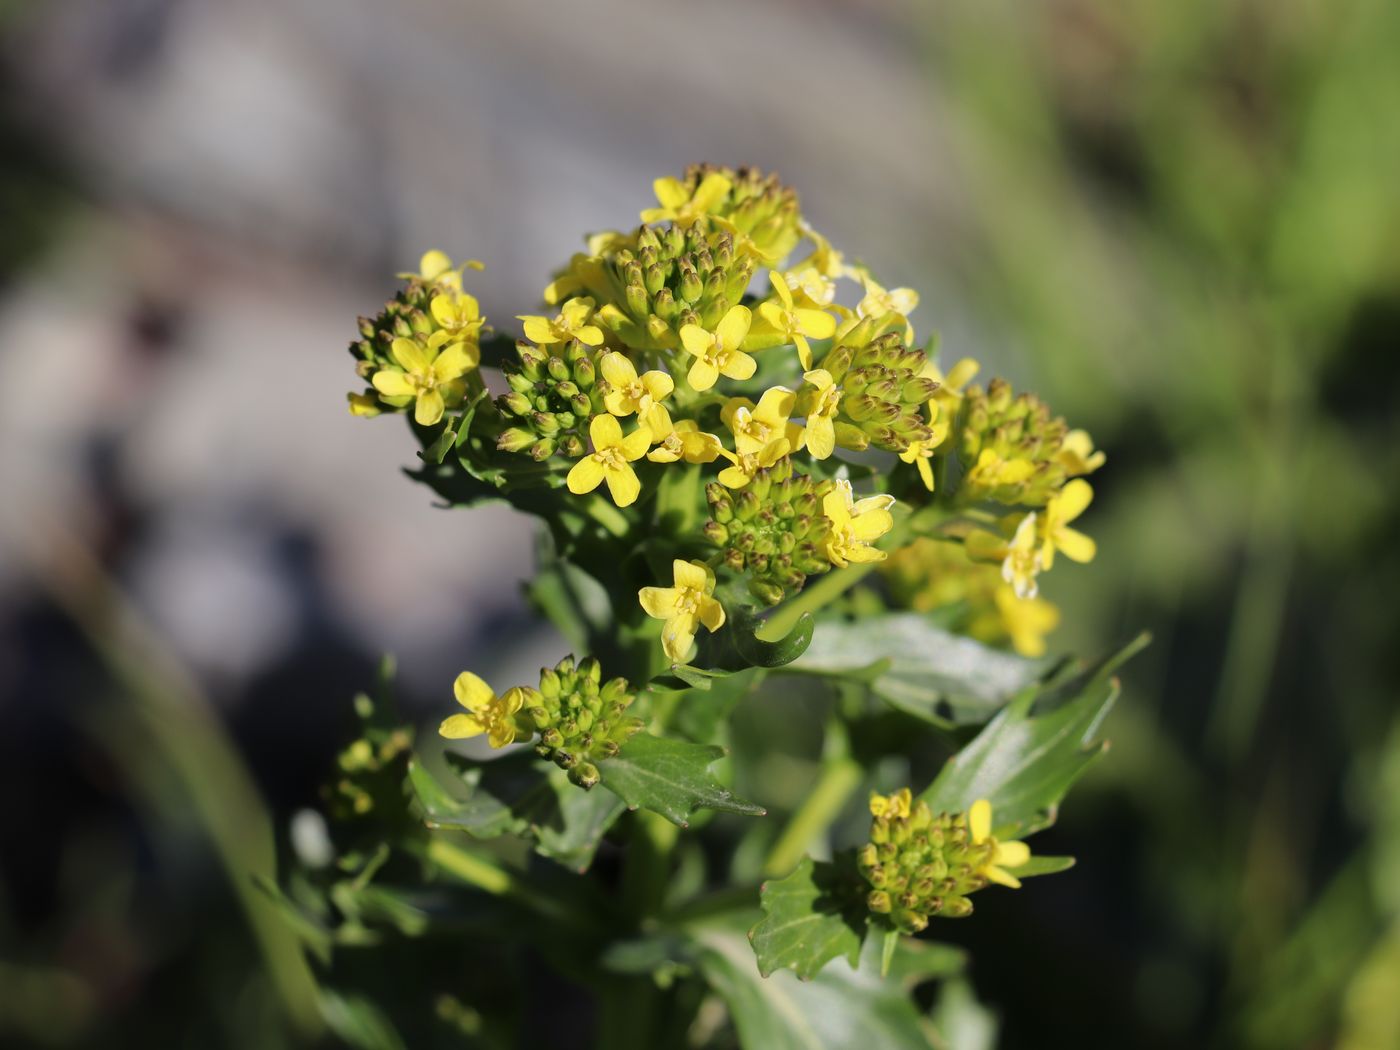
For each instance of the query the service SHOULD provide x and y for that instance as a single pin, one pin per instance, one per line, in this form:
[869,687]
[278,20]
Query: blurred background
[1178,222]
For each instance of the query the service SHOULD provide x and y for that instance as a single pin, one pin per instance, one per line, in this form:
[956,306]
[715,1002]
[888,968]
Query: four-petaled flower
[744,465]
[1020,561]
[855,524]
[1077,454]
[822,401]
[1011,854]
[689,603]
[429,373]
[1062,508]
[458,313]
[684,208]
[435,267]
[686,441]
[571,323]
[642,394]
[611,461]
[490,714]
[796,323]
[717,353]
[755,427]
[880,301]
[920,452]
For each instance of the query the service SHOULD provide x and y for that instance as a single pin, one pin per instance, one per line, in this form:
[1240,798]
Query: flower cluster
[693,354]
[580,719]
[972,598]
[920,865]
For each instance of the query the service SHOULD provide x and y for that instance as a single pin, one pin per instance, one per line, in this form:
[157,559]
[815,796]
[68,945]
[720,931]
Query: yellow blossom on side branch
[717,353]
[796,323]
[686,441]
[690,602]
[1062,508]
[1011,854]
[429,374]
[855,525]
[1020,560]
[822,400]
[629,392]
[611,461]
[683,208]
[571,323]
[488,713]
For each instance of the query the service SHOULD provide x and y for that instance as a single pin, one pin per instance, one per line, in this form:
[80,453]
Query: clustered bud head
[773,530]
[1014,450]
[581,720]
[554,394]
[920,865]
[758,205]
[884,393]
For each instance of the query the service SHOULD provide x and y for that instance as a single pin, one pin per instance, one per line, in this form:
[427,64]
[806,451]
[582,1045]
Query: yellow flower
[435,267]
[817,289]
[611,461]
[1026,621]
[458,313]
[880,301]
[1062,508]
[796,323]
[629,392]
[490,714]
[688,603]
[571,323]
[823,401]
[825,259]
[1020,562]
[683,208]
[950,387]
[894,806]
[855,524]
[756,427]
[744,465]
[1012,854]
[431,374]
[1077,454]
[920,452]
[991,472]
[717,353]
[686,441]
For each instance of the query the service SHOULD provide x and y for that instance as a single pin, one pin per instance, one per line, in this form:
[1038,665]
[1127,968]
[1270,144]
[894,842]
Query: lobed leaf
[812,916]
[671,777]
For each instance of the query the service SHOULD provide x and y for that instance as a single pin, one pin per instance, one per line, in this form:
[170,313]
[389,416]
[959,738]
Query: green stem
[840,775]
[485,874]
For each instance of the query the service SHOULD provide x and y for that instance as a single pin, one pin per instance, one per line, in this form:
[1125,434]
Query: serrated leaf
[919,668]
[571,834]
[1025,759]
[811,917]
[838,1009]
[671,777]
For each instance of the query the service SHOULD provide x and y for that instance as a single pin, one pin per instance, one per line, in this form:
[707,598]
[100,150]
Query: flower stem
[840,775]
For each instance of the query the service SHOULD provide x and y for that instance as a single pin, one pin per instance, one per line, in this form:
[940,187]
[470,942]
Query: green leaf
[737,645]
[812,916]
[1039,865]
[919,668]
[1026,758]
[670,777]
[571,834]
[358,1022]
[838,1009]
[490,799]
[962,1021]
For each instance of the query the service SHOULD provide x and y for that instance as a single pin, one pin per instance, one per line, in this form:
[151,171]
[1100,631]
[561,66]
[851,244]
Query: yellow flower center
[688,600]
[828,402]
[611,458]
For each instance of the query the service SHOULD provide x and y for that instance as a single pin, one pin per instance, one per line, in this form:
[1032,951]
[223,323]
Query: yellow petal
[1077,546]
[1073,499]
[817,323]
[775,405]
[635,444]
[585,476]
[392,383]
[861,554]
[670,193]
[780,286]
[711,614]
[410,355]
[472,692]
[658,384]
[502,734]
[444,310]
[979,820]
[693,575]
[623,485]
[678,636]
[1002,878]
[459,727]
[774,315]
[733,478]
[429,409]
[732,328]
[710,192]
[434,264]
[702,374]
[659,602]
[1012,854]
[605,432]
[617,369]
[804,350]
[740,366]
[821,437]
[539,330]
[453,362]
[696,340]
[589,335]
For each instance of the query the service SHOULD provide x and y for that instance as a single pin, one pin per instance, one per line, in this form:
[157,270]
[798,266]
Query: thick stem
[840,775]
